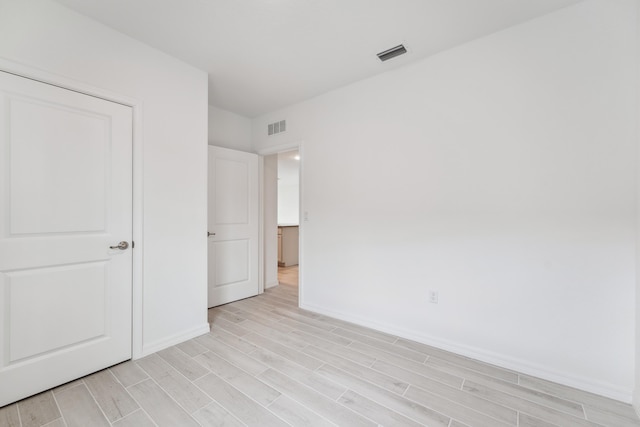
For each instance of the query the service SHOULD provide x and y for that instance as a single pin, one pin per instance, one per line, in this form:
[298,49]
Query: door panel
[232,203]
[233,218]
[232,261]
[68,194]
[83,286]
[65,198]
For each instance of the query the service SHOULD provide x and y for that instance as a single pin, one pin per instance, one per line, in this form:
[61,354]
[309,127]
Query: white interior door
[233,225]
[65,198]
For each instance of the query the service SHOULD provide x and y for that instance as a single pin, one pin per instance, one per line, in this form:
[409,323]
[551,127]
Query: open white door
[233,225]
[65,198]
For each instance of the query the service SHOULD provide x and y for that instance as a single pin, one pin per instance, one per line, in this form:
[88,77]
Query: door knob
[210,234]
[122,246]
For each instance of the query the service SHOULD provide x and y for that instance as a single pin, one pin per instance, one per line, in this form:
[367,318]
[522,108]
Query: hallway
[288,276]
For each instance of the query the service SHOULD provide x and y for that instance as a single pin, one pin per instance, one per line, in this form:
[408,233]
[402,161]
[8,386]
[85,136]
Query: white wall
[288,202]
[229,130]
[270,191]
[173,99]
[501,174]
[288,188]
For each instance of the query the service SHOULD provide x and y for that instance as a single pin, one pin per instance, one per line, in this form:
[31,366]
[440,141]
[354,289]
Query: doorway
[288,217]
[282,203]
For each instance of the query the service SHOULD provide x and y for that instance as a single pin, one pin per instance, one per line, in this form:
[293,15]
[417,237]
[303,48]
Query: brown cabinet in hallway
[287,245]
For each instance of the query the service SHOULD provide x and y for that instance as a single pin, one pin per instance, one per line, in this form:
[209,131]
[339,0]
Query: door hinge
[133,244]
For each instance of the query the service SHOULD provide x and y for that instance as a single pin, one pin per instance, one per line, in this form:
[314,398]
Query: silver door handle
[210,234]
[122,246]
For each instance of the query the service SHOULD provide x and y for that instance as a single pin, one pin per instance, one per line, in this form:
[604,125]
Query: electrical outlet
[433,297]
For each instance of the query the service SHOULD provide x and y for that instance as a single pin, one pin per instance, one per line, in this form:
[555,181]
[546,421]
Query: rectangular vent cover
[277,127]
[392,53]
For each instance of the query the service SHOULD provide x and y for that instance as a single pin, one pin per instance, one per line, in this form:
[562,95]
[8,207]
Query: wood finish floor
[268,363]
[288,275]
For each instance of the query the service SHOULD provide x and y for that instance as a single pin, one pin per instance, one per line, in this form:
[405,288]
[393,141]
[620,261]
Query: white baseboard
[636,400]
[271,284]
[523,366]
[158,345]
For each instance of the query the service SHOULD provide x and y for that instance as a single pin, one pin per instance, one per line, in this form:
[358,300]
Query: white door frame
[76,86]
[298,145]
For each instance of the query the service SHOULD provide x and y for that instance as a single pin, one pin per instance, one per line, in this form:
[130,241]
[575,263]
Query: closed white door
[233,225]
[65,204]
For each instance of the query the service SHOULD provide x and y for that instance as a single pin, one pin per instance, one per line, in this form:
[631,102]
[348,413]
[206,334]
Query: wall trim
[279,148]
[172,340]
[586,384]
[38,74]
[272,284]
[261,227]
[636,392]
[302,210]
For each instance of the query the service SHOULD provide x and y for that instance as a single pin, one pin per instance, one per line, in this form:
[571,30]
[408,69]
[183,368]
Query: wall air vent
[392,53]
[277,127]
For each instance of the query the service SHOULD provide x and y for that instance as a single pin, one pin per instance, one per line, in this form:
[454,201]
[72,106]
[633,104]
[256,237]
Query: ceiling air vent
[277,127]
[392,53]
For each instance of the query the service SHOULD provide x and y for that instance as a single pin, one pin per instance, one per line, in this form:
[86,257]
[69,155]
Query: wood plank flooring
[268,363]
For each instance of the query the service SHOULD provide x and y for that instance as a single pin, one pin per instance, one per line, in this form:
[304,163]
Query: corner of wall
[271,284]
[174,339]
[229,130]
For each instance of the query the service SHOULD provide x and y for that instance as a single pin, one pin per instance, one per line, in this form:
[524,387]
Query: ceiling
[262,55]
